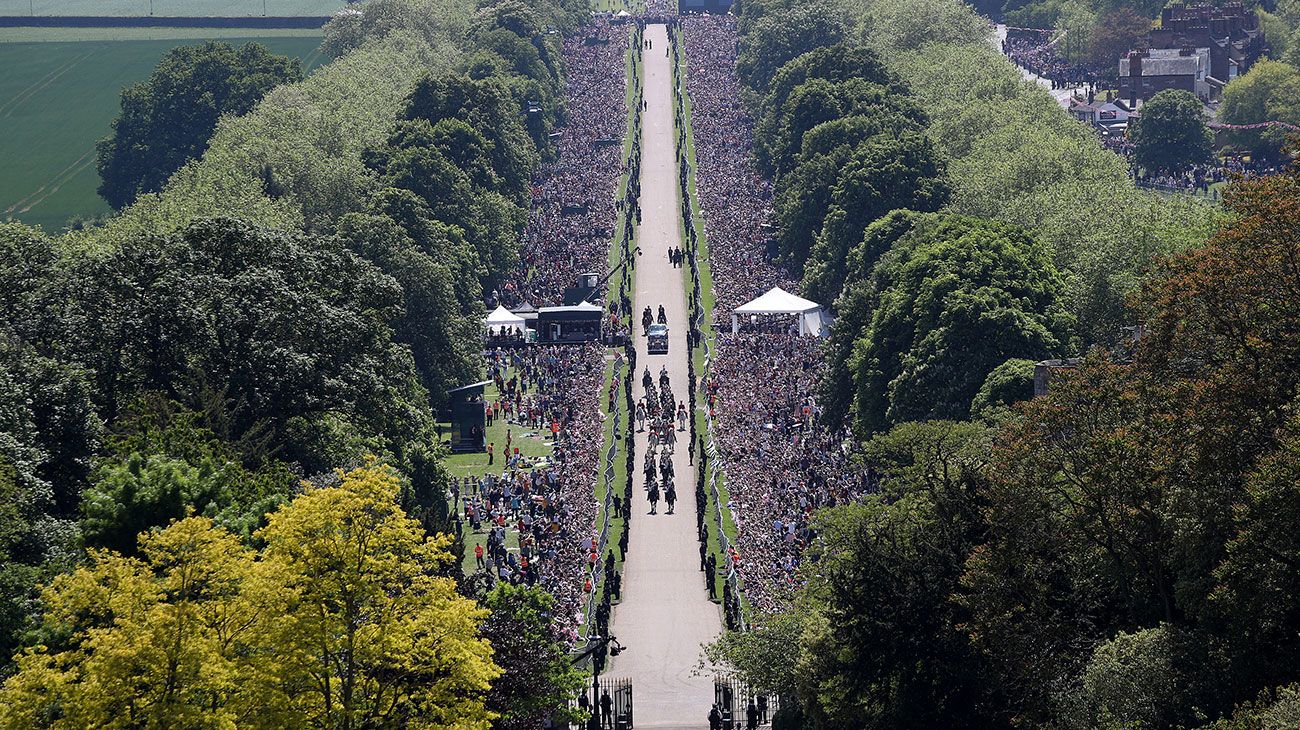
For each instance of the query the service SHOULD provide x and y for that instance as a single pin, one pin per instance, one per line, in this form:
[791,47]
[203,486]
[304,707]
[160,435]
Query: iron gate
[609,701]
[734,699]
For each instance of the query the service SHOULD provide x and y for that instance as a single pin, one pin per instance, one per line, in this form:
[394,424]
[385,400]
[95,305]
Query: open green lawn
[532,443]
[57,100]
[171,8]
[186,35]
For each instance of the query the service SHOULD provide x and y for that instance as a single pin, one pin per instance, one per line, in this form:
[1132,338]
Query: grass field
[171,8]
[56,101]
[189,35]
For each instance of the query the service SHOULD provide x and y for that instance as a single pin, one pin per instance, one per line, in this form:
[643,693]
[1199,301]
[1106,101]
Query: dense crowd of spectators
[573,211]
[549,504]
[531,520]
[659,9]
[1037,55]
[729,186]
[779,463]
[1200,179]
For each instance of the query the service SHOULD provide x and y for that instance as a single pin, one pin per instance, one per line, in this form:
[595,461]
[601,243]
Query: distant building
[1122,354]
[1143,74]
[1044,370]
[1231,33]
[1106,116]
[1225,41]
[717,7]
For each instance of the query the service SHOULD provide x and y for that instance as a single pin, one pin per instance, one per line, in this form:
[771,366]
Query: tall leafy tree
[163,464]
[454,170]
[1116,33]
[834,63]
[282,333]
[954,299]
[884,650]
[144,642]
[167,119]
[884,173]
[819,100]
[539,678]
[444,341]
[1266,93]
[485,105]
[375,637]
[781,35]
[340,620]
[1171,135]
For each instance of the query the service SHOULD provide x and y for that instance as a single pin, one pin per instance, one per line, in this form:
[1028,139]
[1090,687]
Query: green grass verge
[56,101]
[532,443]
[713,507]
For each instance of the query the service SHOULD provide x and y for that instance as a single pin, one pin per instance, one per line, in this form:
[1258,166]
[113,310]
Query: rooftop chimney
[1134,75]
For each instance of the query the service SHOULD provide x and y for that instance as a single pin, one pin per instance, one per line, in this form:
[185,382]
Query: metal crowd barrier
[697,325]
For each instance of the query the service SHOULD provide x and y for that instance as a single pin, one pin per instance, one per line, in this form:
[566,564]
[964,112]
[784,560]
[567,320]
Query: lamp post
[595,648]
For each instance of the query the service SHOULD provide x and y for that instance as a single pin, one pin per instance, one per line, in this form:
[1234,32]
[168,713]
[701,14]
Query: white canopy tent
[502,320]
[812,320]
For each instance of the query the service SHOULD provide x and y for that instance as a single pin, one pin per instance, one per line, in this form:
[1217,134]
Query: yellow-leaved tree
[338,621]
[367,634]
[141,642]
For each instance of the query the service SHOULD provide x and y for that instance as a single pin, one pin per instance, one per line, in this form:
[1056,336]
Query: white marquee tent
[503,319]
[812,319]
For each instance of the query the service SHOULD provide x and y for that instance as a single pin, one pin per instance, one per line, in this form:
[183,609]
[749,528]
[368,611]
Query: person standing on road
[715,719]
[751,716]
[670,496]
[654,498]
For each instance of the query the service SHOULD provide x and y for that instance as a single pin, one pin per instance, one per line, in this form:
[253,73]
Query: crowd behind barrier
[549,392]
[553,392]
[735,198]
[1037,54]
[573,197]
[780,464]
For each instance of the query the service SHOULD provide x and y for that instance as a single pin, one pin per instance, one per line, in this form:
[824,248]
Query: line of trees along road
[1116,553]
[292,302]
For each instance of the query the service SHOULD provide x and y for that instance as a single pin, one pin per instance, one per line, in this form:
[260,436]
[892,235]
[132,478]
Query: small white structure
[779,301]
[502,320]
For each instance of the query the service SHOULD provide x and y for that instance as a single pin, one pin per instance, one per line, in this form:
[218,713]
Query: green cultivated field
[57,100]
[172,8]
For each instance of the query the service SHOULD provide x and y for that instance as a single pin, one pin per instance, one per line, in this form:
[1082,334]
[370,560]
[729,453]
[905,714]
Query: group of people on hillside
[780,463]
[1199,179]
[548,504]
[573,214]
[534,521]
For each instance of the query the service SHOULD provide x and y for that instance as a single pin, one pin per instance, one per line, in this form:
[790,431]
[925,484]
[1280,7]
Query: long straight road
[665,614]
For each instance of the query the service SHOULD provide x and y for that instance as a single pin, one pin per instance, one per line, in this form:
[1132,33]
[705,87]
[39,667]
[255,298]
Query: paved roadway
[1062,96]
[665,614]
